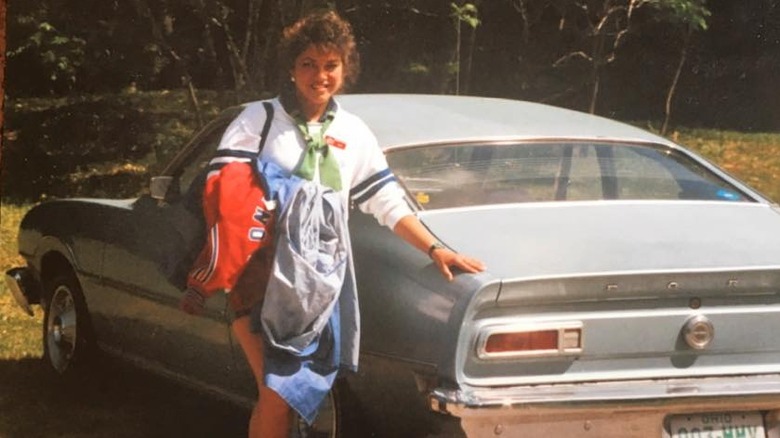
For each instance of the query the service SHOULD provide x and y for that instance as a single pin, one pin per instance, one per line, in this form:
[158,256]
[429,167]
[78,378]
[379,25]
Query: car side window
[652,173]
[642,175]
[586,175]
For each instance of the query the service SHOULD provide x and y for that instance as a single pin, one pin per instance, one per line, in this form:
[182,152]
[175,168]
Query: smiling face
[318,74]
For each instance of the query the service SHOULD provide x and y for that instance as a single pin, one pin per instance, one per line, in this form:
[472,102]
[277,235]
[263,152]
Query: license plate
[718,425]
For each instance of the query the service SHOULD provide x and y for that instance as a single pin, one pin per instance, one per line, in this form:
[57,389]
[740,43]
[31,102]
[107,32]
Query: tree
[160,27]
[604,25]
[468,14]
[527,15]
[54,56]
[692,16]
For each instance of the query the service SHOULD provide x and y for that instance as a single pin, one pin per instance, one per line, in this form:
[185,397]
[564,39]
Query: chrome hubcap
[61,329]
[57,331]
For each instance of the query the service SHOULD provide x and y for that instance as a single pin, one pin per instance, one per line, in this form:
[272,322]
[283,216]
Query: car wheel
[339,417]
[67,339]
[324,426]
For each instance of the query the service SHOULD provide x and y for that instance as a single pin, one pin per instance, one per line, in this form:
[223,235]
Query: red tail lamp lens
[522,341]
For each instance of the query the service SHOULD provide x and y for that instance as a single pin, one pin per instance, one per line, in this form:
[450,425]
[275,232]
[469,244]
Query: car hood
[527,241]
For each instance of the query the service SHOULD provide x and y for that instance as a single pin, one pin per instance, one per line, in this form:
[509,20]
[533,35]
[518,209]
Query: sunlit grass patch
[752,157]
[10,218]
[20,335]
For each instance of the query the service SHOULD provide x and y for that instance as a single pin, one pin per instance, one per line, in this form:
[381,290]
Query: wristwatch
[434,246]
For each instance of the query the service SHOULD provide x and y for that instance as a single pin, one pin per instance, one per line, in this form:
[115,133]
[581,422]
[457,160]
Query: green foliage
[467,13]
[418,68]
[690,13]
[59,55]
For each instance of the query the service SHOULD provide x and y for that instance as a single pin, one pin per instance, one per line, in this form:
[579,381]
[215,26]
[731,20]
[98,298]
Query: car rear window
[446,176]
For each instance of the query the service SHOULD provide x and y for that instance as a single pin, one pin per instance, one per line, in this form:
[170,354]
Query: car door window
[655,173]
[642,176]
[585,181]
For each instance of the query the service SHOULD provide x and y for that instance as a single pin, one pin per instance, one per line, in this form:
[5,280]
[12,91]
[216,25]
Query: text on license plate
[718,425]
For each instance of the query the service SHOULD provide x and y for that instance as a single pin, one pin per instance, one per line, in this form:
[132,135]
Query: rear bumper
[23,288]
[606,409]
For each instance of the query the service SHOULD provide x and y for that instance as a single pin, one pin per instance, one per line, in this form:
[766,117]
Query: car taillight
[523,341]
[530,340]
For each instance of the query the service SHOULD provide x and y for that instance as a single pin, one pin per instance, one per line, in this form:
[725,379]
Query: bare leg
[271,415]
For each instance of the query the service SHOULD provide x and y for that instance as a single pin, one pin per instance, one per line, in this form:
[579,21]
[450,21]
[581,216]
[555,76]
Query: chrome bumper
[21,284]
[606,409]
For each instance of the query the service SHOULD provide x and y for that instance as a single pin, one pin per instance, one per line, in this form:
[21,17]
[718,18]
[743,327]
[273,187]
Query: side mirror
[159,186]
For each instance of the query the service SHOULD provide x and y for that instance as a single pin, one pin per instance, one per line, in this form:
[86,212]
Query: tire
[339,417]
[324,426]
[68,341]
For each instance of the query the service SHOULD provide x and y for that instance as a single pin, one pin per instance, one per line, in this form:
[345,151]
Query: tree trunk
[266,38]
[597,58]
[144,11]
[594,92]
[675,81]
[457,56]
[521,8]
[237,60]
[209,43]
[469,61]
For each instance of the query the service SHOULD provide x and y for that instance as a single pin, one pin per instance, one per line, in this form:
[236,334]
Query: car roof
[414,119]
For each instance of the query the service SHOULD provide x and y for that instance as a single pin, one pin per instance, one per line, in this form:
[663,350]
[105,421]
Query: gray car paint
[586,238]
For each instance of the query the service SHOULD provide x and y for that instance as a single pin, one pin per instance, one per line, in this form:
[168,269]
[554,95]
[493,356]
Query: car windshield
[446,176]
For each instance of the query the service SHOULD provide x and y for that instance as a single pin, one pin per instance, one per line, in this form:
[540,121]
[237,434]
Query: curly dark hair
[324,29]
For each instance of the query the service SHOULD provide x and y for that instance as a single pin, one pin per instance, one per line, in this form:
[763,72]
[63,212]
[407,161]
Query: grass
[753,158]
[19,334]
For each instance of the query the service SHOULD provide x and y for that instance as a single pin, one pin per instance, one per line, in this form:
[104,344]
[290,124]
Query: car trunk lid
[528,241]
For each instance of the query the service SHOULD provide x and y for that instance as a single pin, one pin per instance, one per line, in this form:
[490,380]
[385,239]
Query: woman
[319,57]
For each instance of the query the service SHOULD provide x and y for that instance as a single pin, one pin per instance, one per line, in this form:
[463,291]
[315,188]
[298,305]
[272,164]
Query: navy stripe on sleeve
[235,153]
[370,180]
[374,189]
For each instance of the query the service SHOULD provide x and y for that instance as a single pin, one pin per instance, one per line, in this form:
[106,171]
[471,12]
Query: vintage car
[632,288]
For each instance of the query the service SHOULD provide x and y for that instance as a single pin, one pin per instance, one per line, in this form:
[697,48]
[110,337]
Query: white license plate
[718,425]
